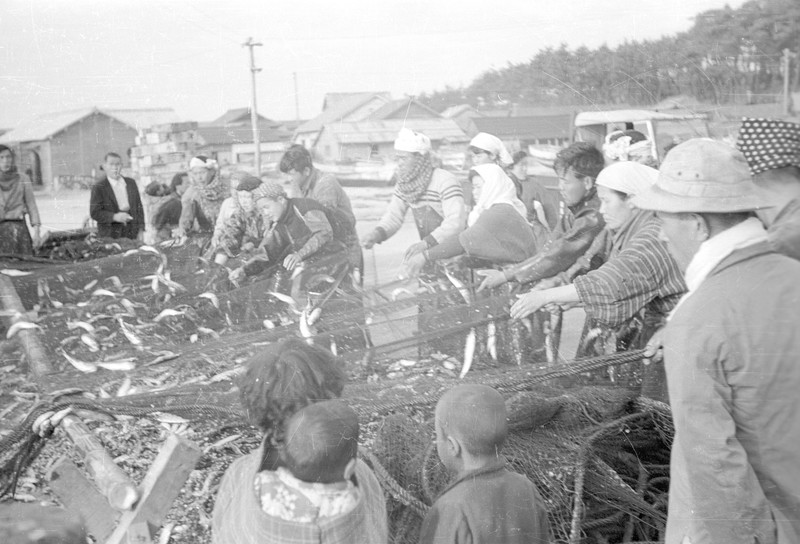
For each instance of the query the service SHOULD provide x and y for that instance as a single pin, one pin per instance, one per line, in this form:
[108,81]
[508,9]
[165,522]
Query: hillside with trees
[728,56]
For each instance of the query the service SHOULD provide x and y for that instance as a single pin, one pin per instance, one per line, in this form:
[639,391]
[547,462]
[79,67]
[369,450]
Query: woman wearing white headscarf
[497,231]
[640,278]
[201,203]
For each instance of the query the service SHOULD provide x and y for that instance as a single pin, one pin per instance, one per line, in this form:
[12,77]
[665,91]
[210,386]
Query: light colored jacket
[732,354]
[444,195]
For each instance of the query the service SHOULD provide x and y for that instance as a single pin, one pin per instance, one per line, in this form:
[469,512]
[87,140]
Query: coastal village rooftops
[375,132]
[45,126]
[337,106]
[526,128]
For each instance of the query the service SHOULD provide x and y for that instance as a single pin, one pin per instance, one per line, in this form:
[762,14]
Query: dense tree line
[728,56]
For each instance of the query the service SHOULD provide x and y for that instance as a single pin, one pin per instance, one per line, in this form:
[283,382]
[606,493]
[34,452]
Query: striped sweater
[639,273]
[444,196]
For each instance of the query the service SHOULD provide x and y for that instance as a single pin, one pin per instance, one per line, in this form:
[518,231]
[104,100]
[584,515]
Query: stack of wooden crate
[163,151]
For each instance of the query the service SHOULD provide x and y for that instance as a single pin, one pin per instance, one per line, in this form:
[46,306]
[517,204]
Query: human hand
[528,303]
[370,240]
[291,261]
[414,264]
[236,275]
[491,278]
[220,259]
[414,249]
[654,350]
[122,217]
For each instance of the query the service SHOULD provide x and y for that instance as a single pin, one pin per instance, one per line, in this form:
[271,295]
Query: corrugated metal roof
[344,104]
[526,128]
[402,105]
[44,126]
[374,132]
[239,135]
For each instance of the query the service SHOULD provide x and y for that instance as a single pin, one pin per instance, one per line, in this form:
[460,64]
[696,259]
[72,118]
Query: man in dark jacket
[115,203]
[577,167]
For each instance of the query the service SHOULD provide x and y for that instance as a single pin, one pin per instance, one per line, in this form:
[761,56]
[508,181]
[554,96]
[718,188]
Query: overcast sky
[188,55]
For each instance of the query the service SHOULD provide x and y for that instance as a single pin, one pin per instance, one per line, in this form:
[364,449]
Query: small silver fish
[90,342]
[465,294]
[469,352]
[90,285]
[80,365]
[491,340]
[168,312]
[210,296]
[72,325]
[20,326]
[103,293]
[121,365]
[14,273]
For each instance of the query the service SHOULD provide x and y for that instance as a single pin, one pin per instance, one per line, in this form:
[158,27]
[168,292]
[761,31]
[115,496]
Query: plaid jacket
[238,518]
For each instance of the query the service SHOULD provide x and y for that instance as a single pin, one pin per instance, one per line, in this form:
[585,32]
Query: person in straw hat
[730,351]
[772,150]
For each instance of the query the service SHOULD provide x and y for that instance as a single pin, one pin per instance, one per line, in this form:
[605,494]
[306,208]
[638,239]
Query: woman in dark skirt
[16,201]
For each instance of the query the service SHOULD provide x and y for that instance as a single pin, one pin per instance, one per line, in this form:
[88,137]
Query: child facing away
[318,493]
[484,503]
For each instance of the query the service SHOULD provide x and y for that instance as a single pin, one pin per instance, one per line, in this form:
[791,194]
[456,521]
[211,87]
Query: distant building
[229,139]
[374,139]
[72,144]
[340,107]
[521,132]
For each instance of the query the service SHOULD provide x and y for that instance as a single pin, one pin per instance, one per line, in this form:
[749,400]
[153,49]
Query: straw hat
[703,176]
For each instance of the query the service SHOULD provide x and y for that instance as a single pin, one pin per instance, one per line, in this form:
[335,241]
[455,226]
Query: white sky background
[187,55]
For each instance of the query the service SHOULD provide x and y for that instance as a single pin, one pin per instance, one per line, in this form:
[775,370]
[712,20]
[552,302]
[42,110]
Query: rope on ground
[391,485]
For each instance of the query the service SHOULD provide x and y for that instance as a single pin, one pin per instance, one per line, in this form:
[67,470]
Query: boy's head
[577,167]
[321,442]
[470,425]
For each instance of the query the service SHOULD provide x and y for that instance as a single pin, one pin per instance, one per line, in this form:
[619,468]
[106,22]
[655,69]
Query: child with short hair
[485,503]
[318,463]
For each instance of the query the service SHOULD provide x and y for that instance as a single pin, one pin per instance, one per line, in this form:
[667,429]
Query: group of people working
[701,252]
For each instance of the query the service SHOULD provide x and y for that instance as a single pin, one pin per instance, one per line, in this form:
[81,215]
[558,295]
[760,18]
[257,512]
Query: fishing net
[597,454]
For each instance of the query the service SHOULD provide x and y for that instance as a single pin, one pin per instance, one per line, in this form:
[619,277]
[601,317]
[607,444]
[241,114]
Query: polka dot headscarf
[768,144]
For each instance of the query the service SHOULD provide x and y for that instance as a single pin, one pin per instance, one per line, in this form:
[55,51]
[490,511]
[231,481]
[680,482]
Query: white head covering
[211,164]
[493,145]
[497,189]
[412,142]
[631,178]
[621,149]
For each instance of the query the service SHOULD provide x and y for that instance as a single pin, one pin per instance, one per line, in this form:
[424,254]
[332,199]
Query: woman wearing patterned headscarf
[434,196]
[16,201]
[240,226]
[201,203]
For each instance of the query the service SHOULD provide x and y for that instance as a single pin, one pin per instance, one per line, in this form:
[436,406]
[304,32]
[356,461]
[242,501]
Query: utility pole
[296,99]
[254,109]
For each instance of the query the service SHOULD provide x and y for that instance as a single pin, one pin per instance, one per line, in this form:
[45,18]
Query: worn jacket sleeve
[321,232]
[97,208]
[393,217]
[188,204]
[137,208]
[30,203]
[560,252]
[445,524]
[453,209]
[639,273]
[229,230]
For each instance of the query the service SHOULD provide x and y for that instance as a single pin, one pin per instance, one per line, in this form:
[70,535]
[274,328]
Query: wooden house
[67,148]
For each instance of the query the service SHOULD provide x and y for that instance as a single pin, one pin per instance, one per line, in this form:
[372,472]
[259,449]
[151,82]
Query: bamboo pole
[111,480]
[38,363]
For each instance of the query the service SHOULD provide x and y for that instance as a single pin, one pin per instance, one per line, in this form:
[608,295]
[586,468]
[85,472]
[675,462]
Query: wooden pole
[786,53]
[254,109]
[38,363]
[111,480]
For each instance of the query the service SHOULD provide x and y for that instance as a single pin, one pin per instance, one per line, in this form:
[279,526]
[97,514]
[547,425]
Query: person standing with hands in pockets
[115,203]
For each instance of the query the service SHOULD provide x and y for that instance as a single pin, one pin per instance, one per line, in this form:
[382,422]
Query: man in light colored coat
[731,351]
